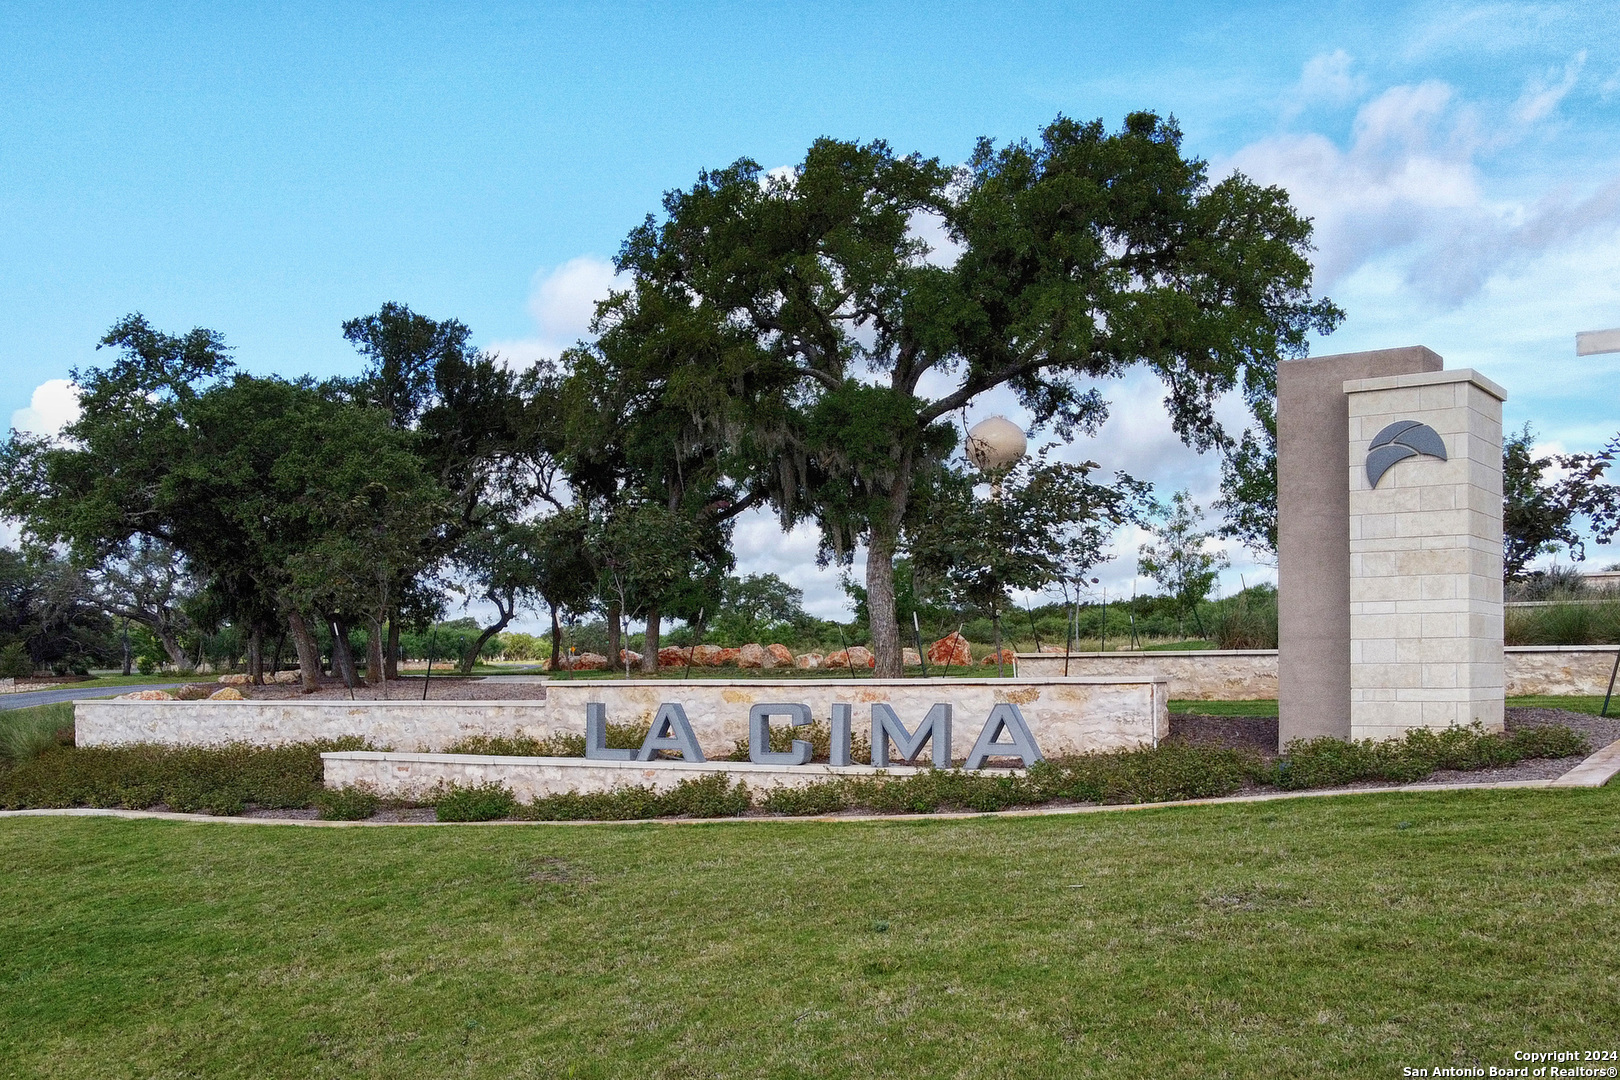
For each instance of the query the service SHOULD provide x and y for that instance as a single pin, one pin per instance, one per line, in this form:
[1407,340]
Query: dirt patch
[1236,732]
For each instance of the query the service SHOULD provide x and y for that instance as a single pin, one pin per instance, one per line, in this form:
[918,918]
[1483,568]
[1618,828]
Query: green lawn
[1315,937]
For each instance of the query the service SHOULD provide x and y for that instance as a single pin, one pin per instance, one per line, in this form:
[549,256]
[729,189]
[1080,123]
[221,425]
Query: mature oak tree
[839,345]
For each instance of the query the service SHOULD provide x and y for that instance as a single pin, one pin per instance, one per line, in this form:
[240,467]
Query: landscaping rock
[754,656]
[146,695]
[952,649]
[858,656]
[1053,648]
[807,661]
[236,680]
[1007,657]
[227,693]
[670,656]
[728,657]
[782,654]
[629,656]
[910,658]
[589,661]
[706,655]
[194,692]
[284,677]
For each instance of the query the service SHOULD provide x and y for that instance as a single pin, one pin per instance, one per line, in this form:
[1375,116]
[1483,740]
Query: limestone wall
[1238,675]
[1074,715]
[416,775]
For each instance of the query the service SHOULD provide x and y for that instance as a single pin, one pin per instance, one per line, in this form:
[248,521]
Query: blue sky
[270,170]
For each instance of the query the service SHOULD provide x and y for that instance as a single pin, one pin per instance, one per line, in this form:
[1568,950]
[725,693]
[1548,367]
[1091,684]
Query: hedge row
[227,779]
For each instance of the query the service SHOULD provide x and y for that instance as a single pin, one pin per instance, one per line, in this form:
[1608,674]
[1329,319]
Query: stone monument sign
[1389,499]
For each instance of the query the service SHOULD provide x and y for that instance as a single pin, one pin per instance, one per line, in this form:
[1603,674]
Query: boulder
[226,693]
[1053,648]
[706,655]
[807,661]
[629,656]
[146,695]
[194,692]
[857,656]
[952,649]
[909,658]
[285,677]
[754,656]
[728,657]
[589,661]
[670,656]
[1007,657]
[235,680]
[782,654]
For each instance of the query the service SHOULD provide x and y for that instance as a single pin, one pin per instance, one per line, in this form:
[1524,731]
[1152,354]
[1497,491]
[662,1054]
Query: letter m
[936,727]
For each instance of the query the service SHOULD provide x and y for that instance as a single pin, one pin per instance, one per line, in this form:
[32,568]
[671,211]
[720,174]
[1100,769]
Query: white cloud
[1410,181]
[1326,77]
[55,404]
[562,302]
[1541,97]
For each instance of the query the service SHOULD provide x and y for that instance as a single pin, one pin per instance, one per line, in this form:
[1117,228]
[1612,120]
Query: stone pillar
[1425,493]
[1313,534]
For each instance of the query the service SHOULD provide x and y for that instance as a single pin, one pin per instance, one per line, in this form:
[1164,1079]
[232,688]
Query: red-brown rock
[706,655]
[782,654]
[1007,657]
[728,656]
[807,661]
[952,649]
[589,661]
[629,656]
[754,656]
[670,656]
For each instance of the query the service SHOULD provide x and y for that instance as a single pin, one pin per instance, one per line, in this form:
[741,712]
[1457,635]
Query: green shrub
[146,665]
[480,802]
[818,734]
[709,796]
[1330,762]
[15,662]
[352,803]
[620,804]
[218,779]
[1247,621]
[558,744]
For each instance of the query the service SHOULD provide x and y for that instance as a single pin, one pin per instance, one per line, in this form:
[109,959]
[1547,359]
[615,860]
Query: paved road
[50,697]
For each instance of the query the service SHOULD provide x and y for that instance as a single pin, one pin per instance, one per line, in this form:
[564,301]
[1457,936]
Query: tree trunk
[128,655]
[391,663]
[880,606]
[507,610]
[342,655]
[171,645]
[614,644]
[255,657]
[556,641]
[374,651]
[649,648]
[309,657]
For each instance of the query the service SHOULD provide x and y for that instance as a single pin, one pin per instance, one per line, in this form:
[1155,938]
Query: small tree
[1178,563]
[1540,515]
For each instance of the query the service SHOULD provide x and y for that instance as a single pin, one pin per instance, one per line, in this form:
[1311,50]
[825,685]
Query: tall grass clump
[1246,621]
[27,733]
[1590,623]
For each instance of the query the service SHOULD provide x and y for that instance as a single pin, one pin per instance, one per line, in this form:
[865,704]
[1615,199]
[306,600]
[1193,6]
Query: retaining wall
[1245,674]
[1073,715]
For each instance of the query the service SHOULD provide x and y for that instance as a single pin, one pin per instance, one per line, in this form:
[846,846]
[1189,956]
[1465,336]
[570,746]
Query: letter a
[670,731]
[1022,746]
[596,747]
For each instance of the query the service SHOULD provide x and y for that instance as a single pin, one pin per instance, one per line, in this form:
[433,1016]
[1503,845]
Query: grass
[26,732]
[1257,707]
[1268,706]
[1318,937]
[1572,702]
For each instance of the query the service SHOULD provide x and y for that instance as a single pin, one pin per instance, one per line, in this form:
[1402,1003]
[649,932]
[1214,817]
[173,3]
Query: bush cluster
[818,734]
[559,744]
[215,779]
[1330,762]
[710,796]
[354,803]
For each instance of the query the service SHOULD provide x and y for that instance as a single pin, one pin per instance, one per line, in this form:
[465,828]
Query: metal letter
[1022,746]
[842,716]
[936,726]
[670,731]
[759,735]
[596,747]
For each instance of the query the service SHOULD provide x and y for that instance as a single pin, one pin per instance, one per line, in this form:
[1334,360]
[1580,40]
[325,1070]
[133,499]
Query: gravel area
[1599,730]
[407,689]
